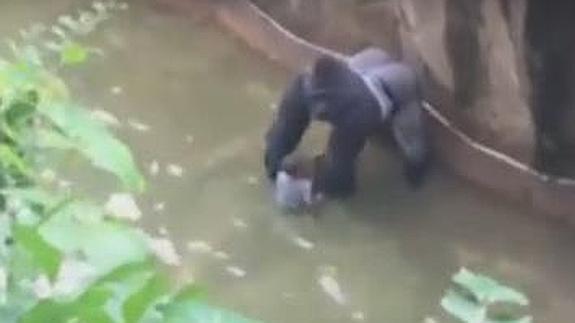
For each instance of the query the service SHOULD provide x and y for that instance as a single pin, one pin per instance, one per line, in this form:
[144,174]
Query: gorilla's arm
[290,123]
[337,176]
[410,134]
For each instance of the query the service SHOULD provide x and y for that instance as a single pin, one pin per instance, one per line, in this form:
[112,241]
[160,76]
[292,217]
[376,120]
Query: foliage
[480,299]
[64,258]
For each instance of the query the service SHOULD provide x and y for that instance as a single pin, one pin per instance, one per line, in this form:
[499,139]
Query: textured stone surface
[469,53]
[473,68]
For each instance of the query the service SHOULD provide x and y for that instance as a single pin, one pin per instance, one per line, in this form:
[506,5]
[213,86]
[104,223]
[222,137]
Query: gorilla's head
[333,87]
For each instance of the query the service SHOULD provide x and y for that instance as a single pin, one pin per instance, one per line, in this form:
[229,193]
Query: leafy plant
[63,257]
[479,299]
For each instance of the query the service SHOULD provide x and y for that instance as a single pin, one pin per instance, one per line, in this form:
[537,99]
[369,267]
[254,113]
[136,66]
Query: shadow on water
[207,101]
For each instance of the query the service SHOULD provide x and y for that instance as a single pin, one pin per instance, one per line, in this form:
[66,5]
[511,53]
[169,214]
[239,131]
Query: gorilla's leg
[407,121]
[337,176]
[410,134]
[401,82]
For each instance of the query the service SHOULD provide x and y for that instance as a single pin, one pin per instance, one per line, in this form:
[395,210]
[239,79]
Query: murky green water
[207,101]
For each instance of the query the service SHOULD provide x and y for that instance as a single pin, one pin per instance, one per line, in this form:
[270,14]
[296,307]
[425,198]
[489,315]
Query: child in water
[294,186]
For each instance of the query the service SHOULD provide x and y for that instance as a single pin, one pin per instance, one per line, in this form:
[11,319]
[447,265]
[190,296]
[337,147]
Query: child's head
[294,187]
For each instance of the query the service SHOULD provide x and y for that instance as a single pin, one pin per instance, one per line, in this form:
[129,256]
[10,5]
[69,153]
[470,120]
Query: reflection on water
[194,105]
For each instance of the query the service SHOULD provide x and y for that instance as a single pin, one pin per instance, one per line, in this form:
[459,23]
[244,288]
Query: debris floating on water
[239,223]
[73,276]
[164,250]
[105,117]
[203,247]
[64,184]
[154,168]
[48,175]
[123,206]
[159,207]
[288,295]
[53,46]
[175,170]
[59,32]
[358,316]
[199,246]
[236,271]
[330,286]
[116,90]
[303,243]
[221,255]
[163,231]
[252,180]
[138,125]
[41,287]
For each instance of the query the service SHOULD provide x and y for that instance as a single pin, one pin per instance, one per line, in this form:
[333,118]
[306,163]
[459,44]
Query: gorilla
[362,96]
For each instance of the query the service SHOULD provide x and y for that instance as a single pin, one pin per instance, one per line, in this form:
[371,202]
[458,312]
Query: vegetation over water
[475,298]
[65,257]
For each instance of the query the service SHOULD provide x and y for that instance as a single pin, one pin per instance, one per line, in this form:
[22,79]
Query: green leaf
[21,111]
[17,77]
[463,308]
[73,53]
[121,284]
[7,131]
[47,311]
[126,271]
[11,159]
[488,290]
[191,292]
[35,195]
[89,308]
[526,319]
[44,255]
[138,303]
[198,312]
[187,306]
[96,143]
[50,139]
[107,245]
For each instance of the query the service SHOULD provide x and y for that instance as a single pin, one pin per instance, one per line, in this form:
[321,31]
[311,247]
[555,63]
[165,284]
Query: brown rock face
[550,38]
[474,68]
[502,70]
[469,53]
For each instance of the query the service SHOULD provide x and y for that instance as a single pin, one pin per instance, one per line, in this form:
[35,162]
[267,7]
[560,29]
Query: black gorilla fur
[335,91]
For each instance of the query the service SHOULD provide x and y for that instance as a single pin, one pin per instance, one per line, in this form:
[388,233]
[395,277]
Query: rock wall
[470,55]
[473,66]
[550,43]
